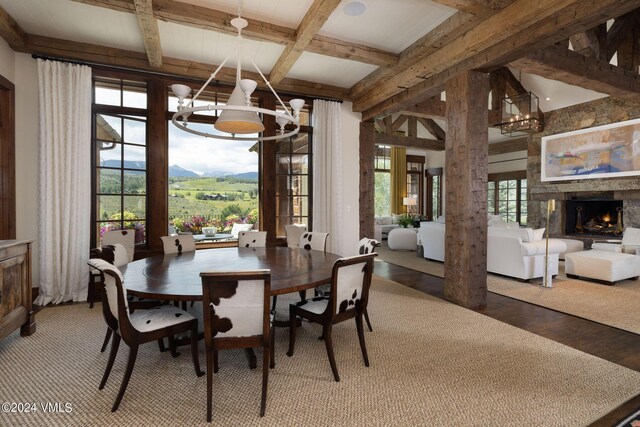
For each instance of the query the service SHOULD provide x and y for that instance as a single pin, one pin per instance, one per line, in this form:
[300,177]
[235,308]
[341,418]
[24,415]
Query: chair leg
[210,358]
[265,379]
[215,361]
[366,317]
[194,348]
[172,346]
[272,342]
[363,347]
[329,344]
[292,331]
[112,357]
[107,336]
[161,345]
[133,353]
[91,291]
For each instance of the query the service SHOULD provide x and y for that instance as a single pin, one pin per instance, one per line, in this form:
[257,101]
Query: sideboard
[15,288]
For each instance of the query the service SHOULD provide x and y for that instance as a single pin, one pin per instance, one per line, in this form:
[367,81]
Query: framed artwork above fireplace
[606,151]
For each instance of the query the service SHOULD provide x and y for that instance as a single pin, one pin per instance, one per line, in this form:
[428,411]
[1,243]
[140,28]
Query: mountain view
[178,171]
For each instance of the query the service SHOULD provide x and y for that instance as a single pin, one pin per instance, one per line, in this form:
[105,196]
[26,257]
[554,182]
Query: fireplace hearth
[594,217]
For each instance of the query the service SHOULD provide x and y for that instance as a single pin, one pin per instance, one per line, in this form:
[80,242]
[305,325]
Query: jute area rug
[432,363]
[615,306]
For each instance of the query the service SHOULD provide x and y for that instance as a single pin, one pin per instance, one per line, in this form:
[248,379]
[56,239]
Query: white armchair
[630,243]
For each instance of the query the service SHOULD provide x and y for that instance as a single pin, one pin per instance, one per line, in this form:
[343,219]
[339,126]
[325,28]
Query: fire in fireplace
[594,217]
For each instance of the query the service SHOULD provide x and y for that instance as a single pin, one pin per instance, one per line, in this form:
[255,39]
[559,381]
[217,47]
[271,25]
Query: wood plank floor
[612,344]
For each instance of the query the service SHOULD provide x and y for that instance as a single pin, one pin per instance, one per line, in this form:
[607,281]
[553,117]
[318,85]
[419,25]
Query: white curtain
[327,172]
[64,180]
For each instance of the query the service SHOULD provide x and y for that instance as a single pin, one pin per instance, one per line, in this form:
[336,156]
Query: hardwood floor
[612,344]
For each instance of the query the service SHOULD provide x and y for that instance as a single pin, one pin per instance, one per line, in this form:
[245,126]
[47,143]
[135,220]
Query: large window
[415,182]
[434,193]
[293,178]
[382,186]
[508,198]
[120,154]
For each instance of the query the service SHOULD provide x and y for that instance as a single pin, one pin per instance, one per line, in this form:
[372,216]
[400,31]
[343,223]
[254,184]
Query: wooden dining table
[176,277]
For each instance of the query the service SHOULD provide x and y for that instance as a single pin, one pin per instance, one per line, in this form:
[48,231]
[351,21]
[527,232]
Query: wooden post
[268,178]
[367,152]
[466,154]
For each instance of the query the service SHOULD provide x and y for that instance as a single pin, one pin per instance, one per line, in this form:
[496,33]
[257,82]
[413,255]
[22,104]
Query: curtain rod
[159,74]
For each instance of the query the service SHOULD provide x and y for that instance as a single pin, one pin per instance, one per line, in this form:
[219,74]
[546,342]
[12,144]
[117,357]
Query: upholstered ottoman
[403,239]
[572,246]
[602,265]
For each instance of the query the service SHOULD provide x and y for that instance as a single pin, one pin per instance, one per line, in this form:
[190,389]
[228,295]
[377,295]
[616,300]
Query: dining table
[176,277]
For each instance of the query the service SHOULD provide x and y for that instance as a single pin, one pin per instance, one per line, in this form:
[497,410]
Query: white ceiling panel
[559,94]
[287,13]
[387,25]
[79,22]
[194,44]
[326,70]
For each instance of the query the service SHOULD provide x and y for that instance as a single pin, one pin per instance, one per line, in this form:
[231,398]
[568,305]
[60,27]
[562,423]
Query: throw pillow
[441,219]
[538,234]
[395,218]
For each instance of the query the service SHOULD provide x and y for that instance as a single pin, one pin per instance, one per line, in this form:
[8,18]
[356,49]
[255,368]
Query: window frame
[431,174]
[496,178]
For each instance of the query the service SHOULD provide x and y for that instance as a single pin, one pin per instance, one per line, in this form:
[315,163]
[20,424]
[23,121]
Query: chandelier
[239,116]
[520,113]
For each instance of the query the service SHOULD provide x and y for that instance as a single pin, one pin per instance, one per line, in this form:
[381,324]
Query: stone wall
[581,116]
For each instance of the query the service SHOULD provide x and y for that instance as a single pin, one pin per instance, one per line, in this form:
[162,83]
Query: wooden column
[158,165]
[367,151]
[268,175]
[466,154]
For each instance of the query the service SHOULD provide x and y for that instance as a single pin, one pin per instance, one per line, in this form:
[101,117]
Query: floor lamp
[409,202]
[547,282]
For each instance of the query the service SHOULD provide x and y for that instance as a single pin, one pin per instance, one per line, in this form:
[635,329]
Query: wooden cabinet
[15,288]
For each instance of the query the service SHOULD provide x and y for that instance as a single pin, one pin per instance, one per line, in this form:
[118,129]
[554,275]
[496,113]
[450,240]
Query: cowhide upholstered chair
[314,241]
[126,238]
[178,244]
[367,246]
[236,315]
[293,232]
[139,326]
[252,239]
[350,282]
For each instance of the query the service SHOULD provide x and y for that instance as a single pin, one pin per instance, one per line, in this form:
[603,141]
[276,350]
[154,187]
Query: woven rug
[615,306]
[432,363]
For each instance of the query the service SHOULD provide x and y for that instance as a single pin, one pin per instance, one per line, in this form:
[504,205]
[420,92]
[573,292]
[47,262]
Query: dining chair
[350,282]
[236,315]
[140,326]
[314,241]
[126,238]
[367,246]
[293,233]
[252,239]
[178,244]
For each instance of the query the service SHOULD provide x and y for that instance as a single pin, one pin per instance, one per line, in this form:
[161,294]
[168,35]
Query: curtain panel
[64,180]
[398,179]
[327,172]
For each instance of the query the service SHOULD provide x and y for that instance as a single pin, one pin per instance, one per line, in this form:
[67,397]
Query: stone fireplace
[594,217]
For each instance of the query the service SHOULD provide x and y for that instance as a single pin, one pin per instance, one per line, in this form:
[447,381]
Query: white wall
[508,162]
[26,81]
[350,179]
[7,61]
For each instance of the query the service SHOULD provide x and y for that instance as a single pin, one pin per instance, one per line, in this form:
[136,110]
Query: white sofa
[511,252]
[383,225]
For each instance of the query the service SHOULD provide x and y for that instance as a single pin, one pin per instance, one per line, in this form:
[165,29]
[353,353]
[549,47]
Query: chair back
[350,281]
[114,254]
[252,239]
[293,232]
[178,244]
[126,238]
[367,246]
[115,307]
[237,228]
[314,241]
[236,305]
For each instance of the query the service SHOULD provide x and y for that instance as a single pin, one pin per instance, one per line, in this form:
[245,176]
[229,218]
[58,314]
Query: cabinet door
[12,278]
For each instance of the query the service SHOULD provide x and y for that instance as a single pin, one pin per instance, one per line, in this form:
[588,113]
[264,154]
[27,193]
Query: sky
[191,152]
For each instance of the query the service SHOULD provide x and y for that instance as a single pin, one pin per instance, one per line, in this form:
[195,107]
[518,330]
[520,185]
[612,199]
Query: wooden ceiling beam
[474,7]
[572,68]
[397,123]
[149,29]
[432,127]
[409,141]
[508,146]
[178,67]
[436,109]
[591,42]
[313,20]
[219,21]
[577,16]
[10,31]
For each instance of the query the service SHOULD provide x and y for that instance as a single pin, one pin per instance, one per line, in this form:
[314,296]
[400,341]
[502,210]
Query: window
[415,182]
[382,176]
[508,198]
[120,154]
[293,181]
[434,193]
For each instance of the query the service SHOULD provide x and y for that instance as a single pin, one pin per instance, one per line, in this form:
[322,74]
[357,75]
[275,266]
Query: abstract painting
[600,152]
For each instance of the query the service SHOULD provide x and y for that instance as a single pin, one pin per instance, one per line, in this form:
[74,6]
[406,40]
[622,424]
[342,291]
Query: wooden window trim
[429,174]
[7,160]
